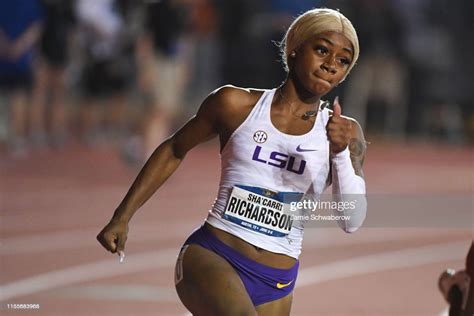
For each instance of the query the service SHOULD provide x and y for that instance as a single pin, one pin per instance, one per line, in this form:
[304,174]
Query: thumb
[337,111]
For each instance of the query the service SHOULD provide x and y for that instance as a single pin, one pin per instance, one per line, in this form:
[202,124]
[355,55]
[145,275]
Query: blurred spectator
[235,24]
[204,55]
[459,25]
[50,74]
[377,94]
[162,60]
[20,27]
[108,68]
[435,57]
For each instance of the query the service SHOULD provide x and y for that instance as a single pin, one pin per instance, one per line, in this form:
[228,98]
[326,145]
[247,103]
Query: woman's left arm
[347,157]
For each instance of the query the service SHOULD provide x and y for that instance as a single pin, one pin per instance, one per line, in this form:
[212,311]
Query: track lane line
[382,261]
[340,269]
[87,272]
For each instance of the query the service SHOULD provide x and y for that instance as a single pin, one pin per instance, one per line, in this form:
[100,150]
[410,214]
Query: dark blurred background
[126,73]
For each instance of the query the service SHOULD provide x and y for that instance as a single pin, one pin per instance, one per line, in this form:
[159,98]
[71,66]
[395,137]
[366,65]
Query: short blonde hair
[314,22]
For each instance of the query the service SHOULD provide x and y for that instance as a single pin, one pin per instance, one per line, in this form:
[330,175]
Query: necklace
[308,114]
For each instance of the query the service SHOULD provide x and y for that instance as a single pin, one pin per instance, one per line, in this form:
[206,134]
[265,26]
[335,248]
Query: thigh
[280,307]
[208,285]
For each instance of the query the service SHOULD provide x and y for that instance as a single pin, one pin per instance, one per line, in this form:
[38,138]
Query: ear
[290,61]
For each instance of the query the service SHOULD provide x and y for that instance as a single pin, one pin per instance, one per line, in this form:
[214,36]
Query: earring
[293,54]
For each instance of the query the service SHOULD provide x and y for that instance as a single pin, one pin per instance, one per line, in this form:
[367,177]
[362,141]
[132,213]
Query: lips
[322,79]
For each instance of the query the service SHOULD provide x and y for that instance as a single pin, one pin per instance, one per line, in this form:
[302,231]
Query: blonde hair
[314,22]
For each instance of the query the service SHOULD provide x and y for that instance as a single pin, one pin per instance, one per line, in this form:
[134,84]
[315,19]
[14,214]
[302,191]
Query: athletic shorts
[263,283]
[16,81]
[168,80]
[106,78]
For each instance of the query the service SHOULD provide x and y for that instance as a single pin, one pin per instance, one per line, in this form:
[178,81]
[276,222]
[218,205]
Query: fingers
[113,236]
[122,238]
[337,111]
[108,241]
[339,125]
[113,242]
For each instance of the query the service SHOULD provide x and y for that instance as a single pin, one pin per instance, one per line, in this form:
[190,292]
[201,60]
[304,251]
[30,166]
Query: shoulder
[229,97]
[230,105]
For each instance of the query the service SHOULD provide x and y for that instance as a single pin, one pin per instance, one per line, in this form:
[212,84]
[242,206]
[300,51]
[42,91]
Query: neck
[298,97]
[305,111]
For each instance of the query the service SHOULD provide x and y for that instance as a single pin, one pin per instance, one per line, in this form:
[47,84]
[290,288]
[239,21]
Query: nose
[329,65]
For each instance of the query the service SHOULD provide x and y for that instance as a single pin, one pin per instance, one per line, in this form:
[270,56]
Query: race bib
[261,210]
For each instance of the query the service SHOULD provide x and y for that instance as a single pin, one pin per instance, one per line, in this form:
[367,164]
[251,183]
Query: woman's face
[322,61]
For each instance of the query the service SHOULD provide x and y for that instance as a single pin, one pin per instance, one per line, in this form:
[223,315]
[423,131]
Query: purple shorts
[263,283]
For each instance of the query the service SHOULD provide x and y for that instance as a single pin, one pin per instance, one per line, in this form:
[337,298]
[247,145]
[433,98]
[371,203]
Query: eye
[344,61]
[321,50]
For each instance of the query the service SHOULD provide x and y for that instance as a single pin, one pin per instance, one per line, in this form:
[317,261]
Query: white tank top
[262,170]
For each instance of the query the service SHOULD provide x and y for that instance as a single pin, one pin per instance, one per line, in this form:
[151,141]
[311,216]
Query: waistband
[219,247]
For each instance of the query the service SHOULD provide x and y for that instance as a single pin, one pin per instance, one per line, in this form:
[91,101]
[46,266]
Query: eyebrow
[332,44]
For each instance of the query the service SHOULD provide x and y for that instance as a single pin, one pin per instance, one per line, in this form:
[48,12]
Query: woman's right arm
[160,166]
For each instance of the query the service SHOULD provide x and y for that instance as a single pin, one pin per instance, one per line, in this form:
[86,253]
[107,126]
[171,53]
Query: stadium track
[54,203]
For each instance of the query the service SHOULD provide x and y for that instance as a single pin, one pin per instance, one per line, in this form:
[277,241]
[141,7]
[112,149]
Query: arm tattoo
[357,149]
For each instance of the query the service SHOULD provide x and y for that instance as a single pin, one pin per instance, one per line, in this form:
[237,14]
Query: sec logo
[260,137]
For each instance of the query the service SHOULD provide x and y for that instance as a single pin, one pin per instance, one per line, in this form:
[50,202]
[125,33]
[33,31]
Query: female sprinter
[276,145]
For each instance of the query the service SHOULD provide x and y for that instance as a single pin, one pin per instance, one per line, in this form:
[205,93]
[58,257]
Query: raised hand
[338,129]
